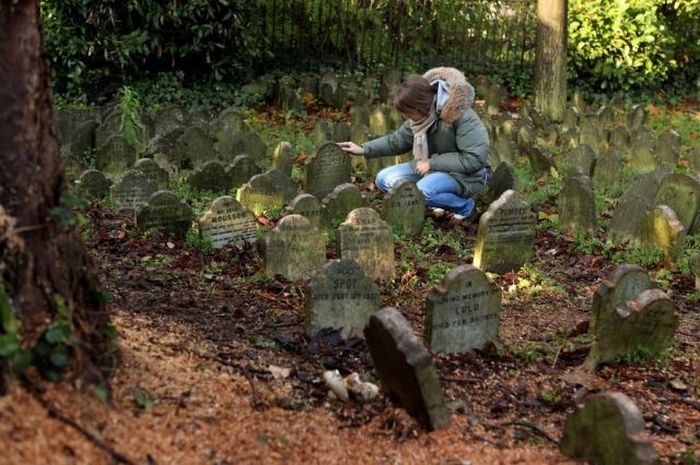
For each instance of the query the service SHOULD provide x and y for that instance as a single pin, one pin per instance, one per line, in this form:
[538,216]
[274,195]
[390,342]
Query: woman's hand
[422,167]
[352,148]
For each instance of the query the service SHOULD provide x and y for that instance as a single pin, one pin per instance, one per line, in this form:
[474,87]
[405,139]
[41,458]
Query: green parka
[458,143]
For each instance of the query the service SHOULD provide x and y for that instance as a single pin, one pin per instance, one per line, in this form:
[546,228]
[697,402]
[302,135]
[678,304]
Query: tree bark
[41,261]
[550,58]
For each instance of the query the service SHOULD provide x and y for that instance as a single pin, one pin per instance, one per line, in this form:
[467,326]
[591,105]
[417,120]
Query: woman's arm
[399,141]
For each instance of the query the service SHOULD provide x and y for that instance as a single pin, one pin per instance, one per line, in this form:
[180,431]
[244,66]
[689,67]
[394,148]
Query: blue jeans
[439,189]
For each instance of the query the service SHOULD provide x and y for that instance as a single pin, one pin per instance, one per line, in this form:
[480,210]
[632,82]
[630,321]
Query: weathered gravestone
[505,147]
[294,249]
[504,179]
[310,208]
[226,130]
[288,186]
[261,194]
[643,159]
[525,136]
[92,185]
[581,161]
[608,429]
[344,199]
[328,85]
[328,167]
[340,296]
[406,369]
[321,132]
[377,123]
[570,137]
[282,159]
[114,156]
[111,126]
[367,239]
[572,115]
[359,116]
[166,213]
[577,206]
[547,135]
[157,175]
[404,208]
[210,176]
[661,230]
[341,132]
[620,137]
[607,167]
[540,159]
[626,282]
[639,197]
[505,235]
[228,222]
[592,133]
[681,192]
[241,170]
[604,115]
[131,190]
[668,147]
[463,313]
[493,98]
[194,147]
[168,119]
[637,117]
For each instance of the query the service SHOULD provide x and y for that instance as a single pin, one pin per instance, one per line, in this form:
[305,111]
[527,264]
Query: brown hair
[415,94]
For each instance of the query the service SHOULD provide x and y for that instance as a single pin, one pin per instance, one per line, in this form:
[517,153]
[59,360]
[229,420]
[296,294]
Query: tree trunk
[550,58]
[42,263]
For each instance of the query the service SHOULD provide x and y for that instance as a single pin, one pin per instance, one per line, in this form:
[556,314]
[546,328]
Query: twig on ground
[533,427]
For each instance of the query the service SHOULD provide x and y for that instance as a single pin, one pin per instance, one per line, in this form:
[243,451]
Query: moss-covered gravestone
[626,282]
[620,137]
[157,175]
[637,117]
[661,230]
[228,222]
[341,132]
[294,249]
[226,129]
[241,170]
[310,208]
[131,190]
[404,208]
[344,199]
[463,313]
[168,119]
[367,239]
[577,206]
[194,147]
[341,296]
[261,194]
[572,116]
[608,429]
[166,213]
[287,185]
[406,369]
[282,159]
[328,167]
[92,185]
[593,133]
[252,145]
[504,145]
[668,147]
[210,176]
[114,156]
[643,158]
[607,167]
[540,159]
[581,161]
[681,192]
[505,235]
[504,179]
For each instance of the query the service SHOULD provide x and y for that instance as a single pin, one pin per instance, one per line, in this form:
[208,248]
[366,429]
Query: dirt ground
[198,334]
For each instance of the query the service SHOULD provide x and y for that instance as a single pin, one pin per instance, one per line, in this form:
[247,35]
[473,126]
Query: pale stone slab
[367,239]
[294,249]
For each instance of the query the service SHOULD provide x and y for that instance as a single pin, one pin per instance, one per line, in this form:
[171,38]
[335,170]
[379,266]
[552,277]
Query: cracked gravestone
[367,239]
[166,213]
[294,249]
[404,208]
[227,222]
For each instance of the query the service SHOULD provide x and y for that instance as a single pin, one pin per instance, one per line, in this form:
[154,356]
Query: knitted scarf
[420,133]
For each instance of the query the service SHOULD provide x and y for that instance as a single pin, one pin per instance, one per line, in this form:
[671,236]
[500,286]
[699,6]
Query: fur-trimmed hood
[461,93]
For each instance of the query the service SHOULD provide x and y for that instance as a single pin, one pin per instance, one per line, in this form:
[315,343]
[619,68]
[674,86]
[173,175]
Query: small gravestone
[608,429]
[637,117]
[661,230]
[506,148]
[604,115]
[344,199]
[114,156]
[261,194]
[572,115]
[668,147]
[210,176]
[642,155]
[194,147]
[367,239]
[540,159]
[626,282]
[639,197]
[168,119]
[92,185]
[581,161]
[341,132]
[157,175]
[294,249]
[463,313]
[403,208]
[577,206]
[493,99]
[310,208]
[340,296]
[646,323]
[288,186]
[228,222]
[505,236]
[226,130]
[131,190]
[681,192]
[607,167]
[166,213]
[282,159]
[328,167]
[620,138]
[406,369]
[592,133]
[321,132]
[377,123]
[504,179]
[241,170]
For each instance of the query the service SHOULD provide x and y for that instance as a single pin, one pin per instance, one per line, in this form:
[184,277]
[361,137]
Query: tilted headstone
[210,176]
[309,207]
[325,169]
[547,135]
[639,197]
[294,249]
[114,156]
[166,213]
[581,161]
[504,179]
[637,117]
[463,313]
[157,175]
[661,230]
[228,222]
[262,194]
[241,170]
[607,167]
[620,137]
[572,115]
[645,323]
[625,283]
[608,429]
[668,147]
[406,369]
[92,185]
[540,159]
[367,239]
[525,136]
[282,159]
[344,199]
[505,236]
[681,192]
[404,208]
[577,206]
[643,157]
[340,296]
[194,147]
[131,190]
